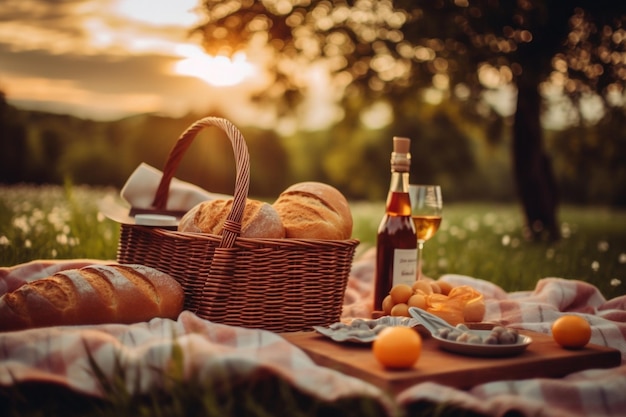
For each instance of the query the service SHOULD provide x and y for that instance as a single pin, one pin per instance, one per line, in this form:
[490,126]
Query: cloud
[107,87]
[98,72]
[32,24]
[106,59]
[41,10]
[110,85]
[91,59]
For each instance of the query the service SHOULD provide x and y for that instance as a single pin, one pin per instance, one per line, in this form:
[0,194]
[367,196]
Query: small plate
[363,330]
[434,324]
[474,349]
[156,220]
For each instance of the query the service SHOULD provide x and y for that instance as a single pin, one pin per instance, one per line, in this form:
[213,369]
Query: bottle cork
[401,145]
[401,155]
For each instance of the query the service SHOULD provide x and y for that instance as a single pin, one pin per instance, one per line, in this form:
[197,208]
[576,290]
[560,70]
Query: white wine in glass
[426,210]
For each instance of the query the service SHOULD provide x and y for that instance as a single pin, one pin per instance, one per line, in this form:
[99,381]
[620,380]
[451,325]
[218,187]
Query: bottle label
[404,266]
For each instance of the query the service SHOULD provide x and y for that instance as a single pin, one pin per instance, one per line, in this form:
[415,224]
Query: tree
[460,48]
[13,144]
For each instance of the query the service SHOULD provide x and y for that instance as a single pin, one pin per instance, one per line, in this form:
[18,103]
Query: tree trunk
[532,168]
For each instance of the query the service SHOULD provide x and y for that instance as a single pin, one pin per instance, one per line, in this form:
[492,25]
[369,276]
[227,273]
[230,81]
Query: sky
[107,59]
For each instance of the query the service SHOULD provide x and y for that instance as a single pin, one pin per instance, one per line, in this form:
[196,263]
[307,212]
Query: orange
[417,300]
[400,293]
[397,347]
[400,310]
[387,305]
[572,332]
[445,287]
[436,288]
[423,286]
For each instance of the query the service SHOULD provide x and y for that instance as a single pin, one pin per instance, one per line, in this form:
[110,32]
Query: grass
[476,239]
[51,222]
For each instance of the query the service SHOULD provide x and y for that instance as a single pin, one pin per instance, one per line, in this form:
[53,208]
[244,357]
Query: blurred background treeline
[469,156]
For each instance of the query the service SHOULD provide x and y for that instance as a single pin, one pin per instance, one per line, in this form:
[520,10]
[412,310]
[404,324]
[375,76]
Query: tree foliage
[458,49]
[382,48]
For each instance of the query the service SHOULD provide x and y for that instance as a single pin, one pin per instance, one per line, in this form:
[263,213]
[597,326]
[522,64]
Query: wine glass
[426,210]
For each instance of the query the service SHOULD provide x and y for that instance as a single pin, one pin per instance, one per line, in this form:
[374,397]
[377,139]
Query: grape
[497,330]
[462,327]
[507,337]
[454,334]
[464,337]
[498,335]
[443,333]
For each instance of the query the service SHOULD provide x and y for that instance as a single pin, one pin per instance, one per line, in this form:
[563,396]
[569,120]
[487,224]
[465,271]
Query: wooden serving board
[542,358]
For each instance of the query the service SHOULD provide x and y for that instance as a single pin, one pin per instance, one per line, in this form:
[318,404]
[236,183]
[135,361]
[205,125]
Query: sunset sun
[221,71]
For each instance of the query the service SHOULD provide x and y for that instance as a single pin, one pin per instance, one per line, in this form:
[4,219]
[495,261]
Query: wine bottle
[396,242]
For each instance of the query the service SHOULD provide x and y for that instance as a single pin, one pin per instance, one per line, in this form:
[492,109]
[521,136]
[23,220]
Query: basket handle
[232,225]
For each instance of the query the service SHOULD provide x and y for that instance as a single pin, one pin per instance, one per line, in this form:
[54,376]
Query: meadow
[476,239]
[483,240]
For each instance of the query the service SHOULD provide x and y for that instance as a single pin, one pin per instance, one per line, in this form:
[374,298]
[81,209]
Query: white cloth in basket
[141,186]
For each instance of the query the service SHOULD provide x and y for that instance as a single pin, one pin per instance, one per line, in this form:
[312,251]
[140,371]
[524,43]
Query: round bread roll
[260,220]
[314,210]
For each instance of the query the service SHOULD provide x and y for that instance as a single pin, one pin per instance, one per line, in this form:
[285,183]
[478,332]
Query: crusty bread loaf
[260,219]
[92,295]
[314,210]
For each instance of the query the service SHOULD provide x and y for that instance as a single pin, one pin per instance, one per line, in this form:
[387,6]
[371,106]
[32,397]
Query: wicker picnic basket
[281,285]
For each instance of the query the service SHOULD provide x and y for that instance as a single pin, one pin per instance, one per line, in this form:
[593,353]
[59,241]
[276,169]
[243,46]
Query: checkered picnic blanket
[59,355]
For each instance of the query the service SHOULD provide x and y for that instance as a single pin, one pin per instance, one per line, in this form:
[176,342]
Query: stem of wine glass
[420,249]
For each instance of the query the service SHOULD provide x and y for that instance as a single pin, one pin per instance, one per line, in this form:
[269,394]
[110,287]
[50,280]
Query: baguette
[94,294]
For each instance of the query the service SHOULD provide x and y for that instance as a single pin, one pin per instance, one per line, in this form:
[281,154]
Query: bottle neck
[398,200]
[399,182]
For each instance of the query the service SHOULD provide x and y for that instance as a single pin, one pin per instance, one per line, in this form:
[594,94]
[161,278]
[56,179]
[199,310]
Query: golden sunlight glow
[160,12]
[218,70]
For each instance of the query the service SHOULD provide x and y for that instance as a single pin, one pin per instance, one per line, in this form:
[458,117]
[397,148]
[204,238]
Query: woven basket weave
[281,285]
